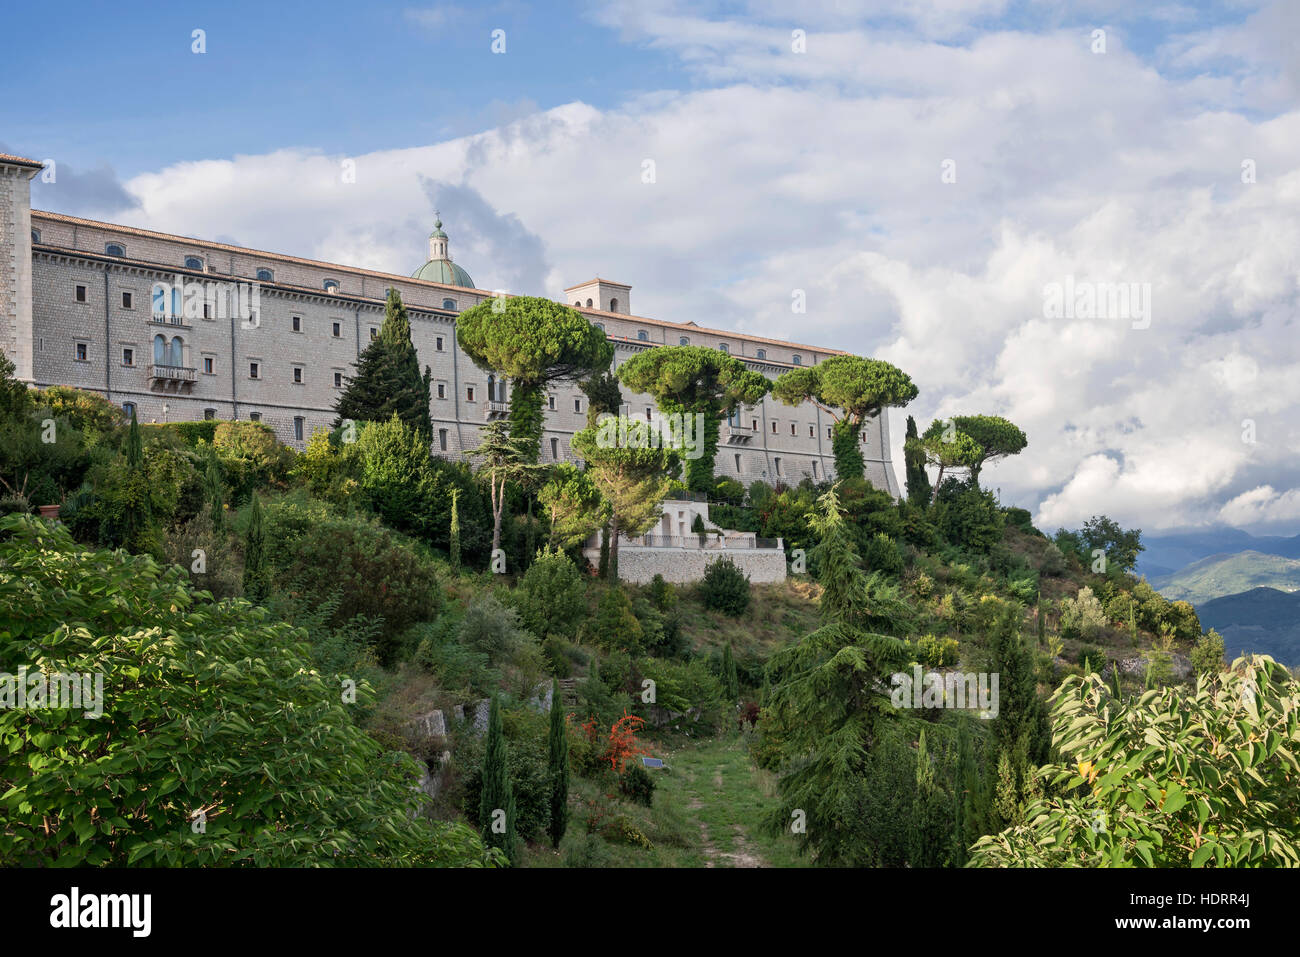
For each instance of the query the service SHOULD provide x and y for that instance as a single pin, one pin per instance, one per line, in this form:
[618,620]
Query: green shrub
[550,597]
[1207,654]
[251,458]
[882,554]
[938,652]
[725,588]
[209,705]
[1082,617]
[636,783]
[615,626]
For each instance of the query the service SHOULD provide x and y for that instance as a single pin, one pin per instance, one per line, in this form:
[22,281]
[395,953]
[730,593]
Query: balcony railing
[173,373]
[707,541]
[737,433]
[495,410]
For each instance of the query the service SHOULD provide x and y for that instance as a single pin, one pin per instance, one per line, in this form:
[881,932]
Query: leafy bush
[968,516]
[251,458]
[725,588]
[312,551]
[614,626]
[526,757]
[1225,760]
[728,490]
[189,724]
[1083,616]
[882,554]
[636,783]
[938,652]
[550,597]
[1207,655]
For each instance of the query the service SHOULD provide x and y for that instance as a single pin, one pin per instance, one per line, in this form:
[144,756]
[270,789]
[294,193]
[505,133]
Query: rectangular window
[550,402]
[81,352]
[778,466]
[207,310]
[753,424]
[209,414]
[295,323]
[774,426]
[737,464]
[469,393]
[338,380]
[297,375]
[255,417]
[814,470]
[128,357]
[793,428]
[81,294]
[208,363]
[647,414]
[373,333]
[126,300]
[577,405]
[812,431]
[297,427]
[828,431]
[442,391]
[252,370]
[338,329]
[439,341]
[555,450]
[442,440]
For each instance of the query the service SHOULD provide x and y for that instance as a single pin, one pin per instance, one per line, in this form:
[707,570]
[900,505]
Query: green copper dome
[444,271]
[440,268]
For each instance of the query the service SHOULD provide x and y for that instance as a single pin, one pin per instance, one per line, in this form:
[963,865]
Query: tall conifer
[558,767]
[497,795]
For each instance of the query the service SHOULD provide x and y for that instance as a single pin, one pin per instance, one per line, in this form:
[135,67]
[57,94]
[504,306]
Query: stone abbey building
[272,338]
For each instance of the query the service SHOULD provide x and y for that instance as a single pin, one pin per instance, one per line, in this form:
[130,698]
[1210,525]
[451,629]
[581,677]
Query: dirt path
[742,852]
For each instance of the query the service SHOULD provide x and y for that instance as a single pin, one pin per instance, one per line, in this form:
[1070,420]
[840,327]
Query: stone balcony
[737,434]
[495,410]
[163,378]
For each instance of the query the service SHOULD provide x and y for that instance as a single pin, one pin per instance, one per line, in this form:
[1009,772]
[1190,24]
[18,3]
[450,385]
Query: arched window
[642,335]
[177,352]
[128,408]
[577,303]
[265,275]
[492,388]
[797,359]
[762,353]
[331,285]
[588,303]
[36,235]
[114,249]
[599,325]
[193,262]
[613,305]
[449,304]
[683,341]
[501,390]
[159,350]
[724,347]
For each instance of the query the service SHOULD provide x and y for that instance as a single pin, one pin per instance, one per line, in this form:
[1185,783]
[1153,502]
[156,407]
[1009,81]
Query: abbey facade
[181,329]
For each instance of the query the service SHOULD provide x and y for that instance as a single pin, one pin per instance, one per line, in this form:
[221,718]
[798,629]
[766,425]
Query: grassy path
[725,798]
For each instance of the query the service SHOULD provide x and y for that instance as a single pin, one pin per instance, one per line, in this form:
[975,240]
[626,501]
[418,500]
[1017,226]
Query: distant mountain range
[1263,621]
[1163,555]
[1221,575]
[1246,587]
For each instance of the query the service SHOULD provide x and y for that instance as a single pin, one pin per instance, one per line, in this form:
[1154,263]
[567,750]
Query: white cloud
[821,172]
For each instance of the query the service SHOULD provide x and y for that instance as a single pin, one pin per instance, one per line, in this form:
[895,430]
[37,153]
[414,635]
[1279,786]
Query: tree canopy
[996,437]
[531,341]
[388,380]
[850,389]
[695,379]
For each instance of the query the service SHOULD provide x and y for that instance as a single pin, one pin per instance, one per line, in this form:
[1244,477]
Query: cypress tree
[928,836]
[453,545]
[918,481]
[136,512]
[1042,624]
[730,680]
[603,571]
[255,583]
[388,378]
[212,489]
[969,798]
[497,794]
[559,768]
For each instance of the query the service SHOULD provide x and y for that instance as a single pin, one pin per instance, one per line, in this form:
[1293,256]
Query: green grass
[708,808]
[776,614]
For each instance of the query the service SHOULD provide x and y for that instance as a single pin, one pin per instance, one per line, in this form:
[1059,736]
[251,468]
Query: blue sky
[778,171]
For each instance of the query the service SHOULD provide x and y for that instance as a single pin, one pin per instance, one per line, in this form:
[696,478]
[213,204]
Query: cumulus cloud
[776,171]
